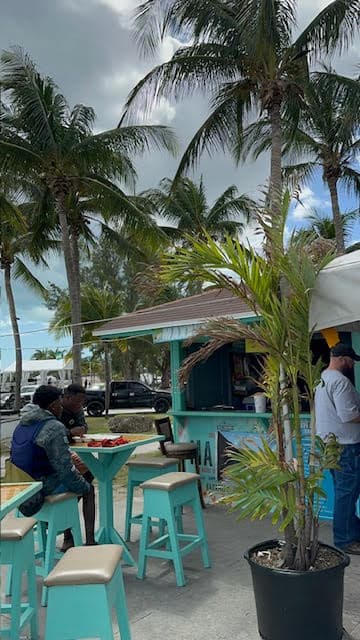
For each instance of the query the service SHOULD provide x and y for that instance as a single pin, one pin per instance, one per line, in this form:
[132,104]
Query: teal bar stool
[17,550]
[84,587]
[164,497]
[59,512]
[141,469]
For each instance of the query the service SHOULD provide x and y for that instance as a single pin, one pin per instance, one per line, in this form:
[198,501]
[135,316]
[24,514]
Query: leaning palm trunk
[338,223]
[16,334]
[73,283]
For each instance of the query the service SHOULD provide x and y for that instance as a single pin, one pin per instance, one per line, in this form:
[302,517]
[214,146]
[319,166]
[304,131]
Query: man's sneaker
[352,548]
[67,544]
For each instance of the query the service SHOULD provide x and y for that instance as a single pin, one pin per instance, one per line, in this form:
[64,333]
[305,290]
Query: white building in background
[38,372]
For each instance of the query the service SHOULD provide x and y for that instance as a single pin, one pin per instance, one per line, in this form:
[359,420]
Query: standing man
[73,418]
[337,411]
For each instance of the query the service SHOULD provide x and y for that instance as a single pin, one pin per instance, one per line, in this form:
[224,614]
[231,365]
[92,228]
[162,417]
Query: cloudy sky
[88,48]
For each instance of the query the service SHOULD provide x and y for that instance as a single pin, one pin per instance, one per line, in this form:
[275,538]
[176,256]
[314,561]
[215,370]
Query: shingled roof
[213,303]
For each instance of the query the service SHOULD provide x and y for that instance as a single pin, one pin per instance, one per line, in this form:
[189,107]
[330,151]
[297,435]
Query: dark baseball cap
[341,349]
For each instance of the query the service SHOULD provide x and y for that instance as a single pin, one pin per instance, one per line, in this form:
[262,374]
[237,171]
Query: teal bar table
[104,463]
[12,494]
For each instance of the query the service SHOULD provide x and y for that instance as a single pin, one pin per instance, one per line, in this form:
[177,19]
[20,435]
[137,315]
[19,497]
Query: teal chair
[17,550]
[141,469]
[84,587]
[59,512]
[164,498]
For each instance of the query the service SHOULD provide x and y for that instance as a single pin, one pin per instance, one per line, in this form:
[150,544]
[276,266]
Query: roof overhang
[168,331]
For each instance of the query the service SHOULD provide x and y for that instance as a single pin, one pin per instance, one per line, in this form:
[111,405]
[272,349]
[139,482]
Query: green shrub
[131,424]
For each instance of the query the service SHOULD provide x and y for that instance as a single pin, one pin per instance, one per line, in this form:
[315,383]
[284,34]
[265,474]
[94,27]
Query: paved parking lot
[216,603]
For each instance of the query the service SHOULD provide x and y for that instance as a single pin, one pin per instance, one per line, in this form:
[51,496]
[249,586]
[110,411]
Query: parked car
[127,394]
[26,395]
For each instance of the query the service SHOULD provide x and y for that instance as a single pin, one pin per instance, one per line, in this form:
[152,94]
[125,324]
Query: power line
[65,326]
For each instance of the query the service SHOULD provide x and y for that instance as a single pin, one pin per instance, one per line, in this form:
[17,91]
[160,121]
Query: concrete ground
[216,603]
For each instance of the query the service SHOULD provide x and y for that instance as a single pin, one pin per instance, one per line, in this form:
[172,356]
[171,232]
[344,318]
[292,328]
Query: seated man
[73,418]
[40,446]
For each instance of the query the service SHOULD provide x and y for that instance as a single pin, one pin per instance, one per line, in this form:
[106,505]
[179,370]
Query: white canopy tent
[335,301]
[41,369]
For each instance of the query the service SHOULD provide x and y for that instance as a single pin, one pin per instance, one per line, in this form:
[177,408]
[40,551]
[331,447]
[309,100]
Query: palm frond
[23,273]
[296,175]
[180,77]
[41,107]
[184,19]
[333,29]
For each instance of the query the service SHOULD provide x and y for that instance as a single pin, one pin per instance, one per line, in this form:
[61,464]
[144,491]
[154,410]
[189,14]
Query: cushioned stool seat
[164,497]
[84,587]
[17,550]
[139,470]
[59,512]
[183,451]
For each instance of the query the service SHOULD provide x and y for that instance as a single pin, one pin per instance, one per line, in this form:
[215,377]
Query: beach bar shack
[219,405]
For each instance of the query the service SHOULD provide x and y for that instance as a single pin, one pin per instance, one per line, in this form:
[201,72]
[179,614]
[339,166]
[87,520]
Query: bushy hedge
[131,424]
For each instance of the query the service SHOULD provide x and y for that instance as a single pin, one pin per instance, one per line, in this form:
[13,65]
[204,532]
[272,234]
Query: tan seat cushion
[86,565]
[16,528]
[169,481]
[181,448]
[60,497]
[161,462]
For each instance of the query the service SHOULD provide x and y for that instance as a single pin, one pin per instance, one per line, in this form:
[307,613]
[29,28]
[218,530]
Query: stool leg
[15,602]
[145,530]
[175,549]
[104,623]
[75,529]
[8,581]
[121,608]
[179,519]
[31,575]
[129,507]
[49,557]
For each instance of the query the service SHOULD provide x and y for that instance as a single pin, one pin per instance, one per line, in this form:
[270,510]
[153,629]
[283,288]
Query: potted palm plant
[280,479]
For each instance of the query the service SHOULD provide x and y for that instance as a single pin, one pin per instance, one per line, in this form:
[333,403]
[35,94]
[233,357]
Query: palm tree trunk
[338,225]
[76,320]
[165,369]
[16,334]
[107,372]
[73,280]
[275,187]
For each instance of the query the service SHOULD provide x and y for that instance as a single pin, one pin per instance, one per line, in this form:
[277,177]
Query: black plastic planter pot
[298,605]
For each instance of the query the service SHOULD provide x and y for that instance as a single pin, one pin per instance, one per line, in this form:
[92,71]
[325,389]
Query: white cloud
[162,113]
[123,81]
[308,202]
[39,315]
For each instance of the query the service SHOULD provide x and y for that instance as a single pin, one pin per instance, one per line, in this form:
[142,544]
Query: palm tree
[184,204]
[48,354]
[328,137]
[95,306]
[21,238]
[286,491]
[242,56]
[49,143]
[323,227]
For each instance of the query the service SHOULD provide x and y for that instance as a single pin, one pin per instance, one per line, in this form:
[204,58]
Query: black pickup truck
[127,394]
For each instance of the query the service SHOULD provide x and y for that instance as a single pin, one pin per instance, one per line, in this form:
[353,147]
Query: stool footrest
[24,617]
